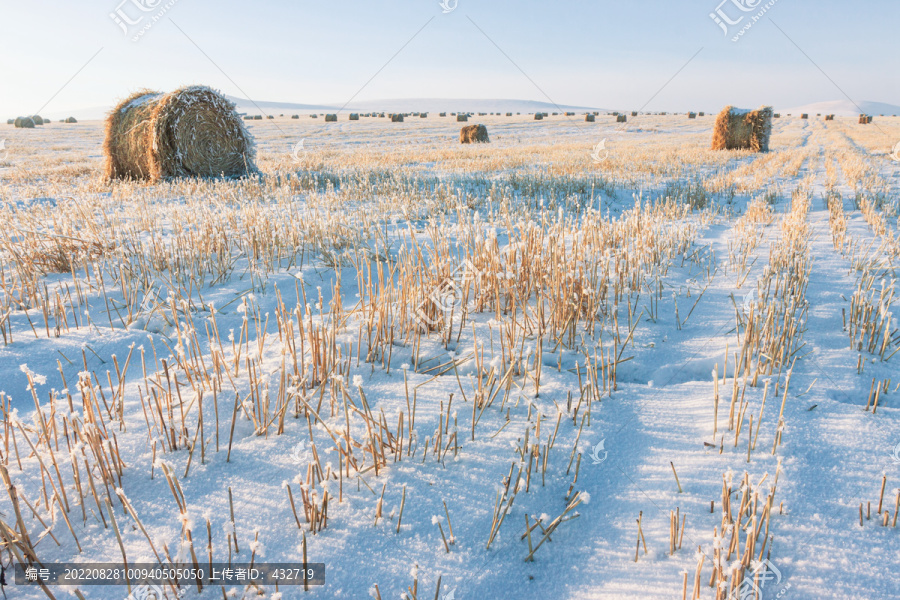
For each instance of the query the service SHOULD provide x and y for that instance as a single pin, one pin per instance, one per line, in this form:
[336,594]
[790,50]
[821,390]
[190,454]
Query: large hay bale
[692,115]
[621,119]
[71,120]
[474,134]
[24,123]
[354,117]
[37,119]
[396,118]
[191,132]
[461,118]
[538,116]
[295,116]
[634,113]
[331,118]
[738,129]
[423,115]
[590,118]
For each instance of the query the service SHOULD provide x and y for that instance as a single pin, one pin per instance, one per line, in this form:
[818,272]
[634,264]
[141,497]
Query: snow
[658,420]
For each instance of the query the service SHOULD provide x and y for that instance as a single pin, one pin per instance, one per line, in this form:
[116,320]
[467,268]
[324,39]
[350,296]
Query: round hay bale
[257,117]
[474,134]
[191,132]
[37,119]
[295,116]
[738,129]
[538,116]
[24,123]
[692,115]
[10,121]
[460,118]
[804,116]
[270,117]
[71,120]
[423,115]
[590,118]
[396,118]
[701,114]
[621,119]
[829,117]
[354,117]
[330,118]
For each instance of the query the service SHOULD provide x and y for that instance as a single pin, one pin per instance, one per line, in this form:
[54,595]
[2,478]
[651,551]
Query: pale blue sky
[592,53]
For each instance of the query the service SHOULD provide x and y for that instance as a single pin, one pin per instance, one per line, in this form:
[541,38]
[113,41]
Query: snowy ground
[616,450]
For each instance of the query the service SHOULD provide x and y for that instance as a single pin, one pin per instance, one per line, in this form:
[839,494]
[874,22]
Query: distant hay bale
[590,118]
[829,117]
[295,116]
[692,115]
[24,123]
[738,129]
[461,118]
[634,113]
[443,114]
[509,114]
[330,118]
[270,117]
[354,117]
[10,121]
[248,117]
[423,115]
[474,134]
[804,116]
[777,116]
[538,116]
[701,114]
[191,132]
[257,117]
[71,120]
[37,119]
[621,119]
[396,118]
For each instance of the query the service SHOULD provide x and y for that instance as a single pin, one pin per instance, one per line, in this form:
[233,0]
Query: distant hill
[412,105]
[845,108]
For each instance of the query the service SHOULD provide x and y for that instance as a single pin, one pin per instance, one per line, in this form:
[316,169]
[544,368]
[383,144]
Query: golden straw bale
[191,132]
[738,129]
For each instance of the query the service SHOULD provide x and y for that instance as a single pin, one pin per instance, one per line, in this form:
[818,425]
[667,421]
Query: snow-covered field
[588,360]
